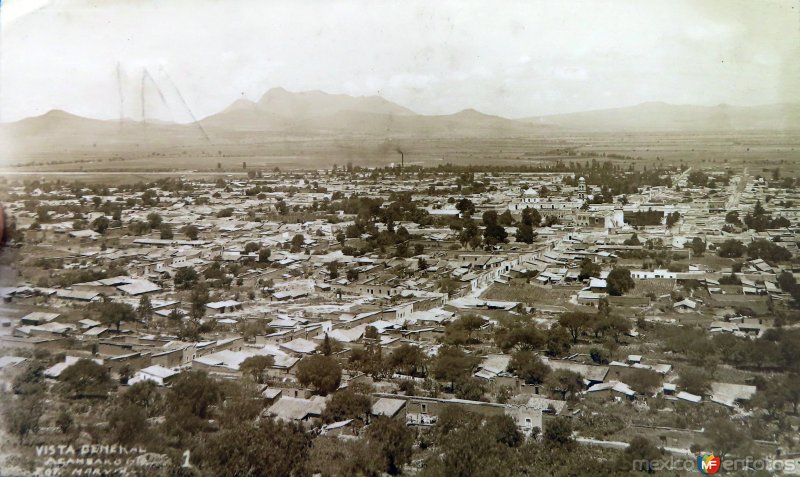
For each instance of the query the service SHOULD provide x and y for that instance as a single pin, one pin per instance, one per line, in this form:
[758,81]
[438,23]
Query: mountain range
[314,113]
[659,116]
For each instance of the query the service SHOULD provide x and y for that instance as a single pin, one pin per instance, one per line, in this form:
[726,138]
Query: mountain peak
[475,114]
[58,114]
[276,91]
[278,102]
[469,112]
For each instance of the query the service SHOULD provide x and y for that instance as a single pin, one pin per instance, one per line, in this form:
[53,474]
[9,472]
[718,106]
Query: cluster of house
[299,299]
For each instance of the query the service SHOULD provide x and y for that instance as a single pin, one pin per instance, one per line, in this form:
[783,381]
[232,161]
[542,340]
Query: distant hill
[281,114]
[657,116]
[465,123]
[60,132]
[281,109]
[58,122]
[315,112]
[277,113]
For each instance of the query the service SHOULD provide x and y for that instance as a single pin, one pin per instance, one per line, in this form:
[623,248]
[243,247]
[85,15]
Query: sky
[186,59]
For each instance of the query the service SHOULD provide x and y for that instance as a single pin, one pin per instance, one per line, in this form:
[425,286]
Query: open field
[529,294]
[756,150]
[658,287]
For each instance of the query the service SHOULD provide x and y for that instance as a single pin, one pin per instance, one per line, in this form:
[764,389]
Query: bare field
[756,150]
[529,294]
[296,152]
[657,287]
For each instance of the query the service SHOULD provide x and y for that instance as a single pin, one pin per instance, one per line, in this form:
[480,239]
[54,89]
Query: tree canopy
[250,449]
[731,248]
[528,366]
[392,441]
[347,404]
[113,313]
[320,371]
[85,378]
[619,281]
[256,367]
[565,382]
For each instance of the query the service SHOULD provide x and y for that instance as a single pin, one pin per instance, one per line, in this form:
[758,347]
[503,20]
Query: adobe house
[174,354]
[425,411]
[135,361]
[50,343]
[224,306]
[389,407]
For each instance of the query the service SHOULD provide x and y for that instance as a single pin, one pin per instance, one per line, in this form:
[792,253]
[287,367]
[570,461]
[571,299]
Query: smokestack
[402,159]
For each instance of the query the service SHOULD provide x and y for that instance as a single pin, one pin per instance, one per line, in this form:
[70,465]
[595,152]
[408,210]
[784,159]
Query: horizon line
[414,113]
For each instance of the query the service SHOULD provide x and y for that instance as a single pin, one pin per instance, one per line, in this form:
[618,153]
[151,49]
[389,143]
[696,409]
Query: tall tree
[250,449]
[465,206]
[190,231]
[558,432]
[392,441]
[264,254]
[145,309]
[641,452]
[154,220]
[113,313]
[85,378]
[22,415]
[326,348]
[409,359]
[565,382]
[297,243]
[558,341]
[185,278]
[347,404]
[531,217]
[256,367]
[728,438]
[576,322]
[320,371]
[165,231]
[528,367]
[693,381]
[698,246]
[619,281]
[194,392]
[525,233]
[731,248]
[469,235]
[589,269]
[100,224]
[452,363]
[199,299]
[493,232]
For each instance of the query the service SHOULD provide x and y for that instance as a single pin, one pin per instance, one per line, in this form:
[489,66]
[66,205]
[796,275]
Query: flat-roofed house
[389,407]
[38,318]
[297,409]
[155,373]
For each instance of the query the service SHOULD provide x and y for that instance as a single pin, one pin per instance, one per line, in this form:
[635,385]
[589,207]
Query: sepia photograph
[461,238]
